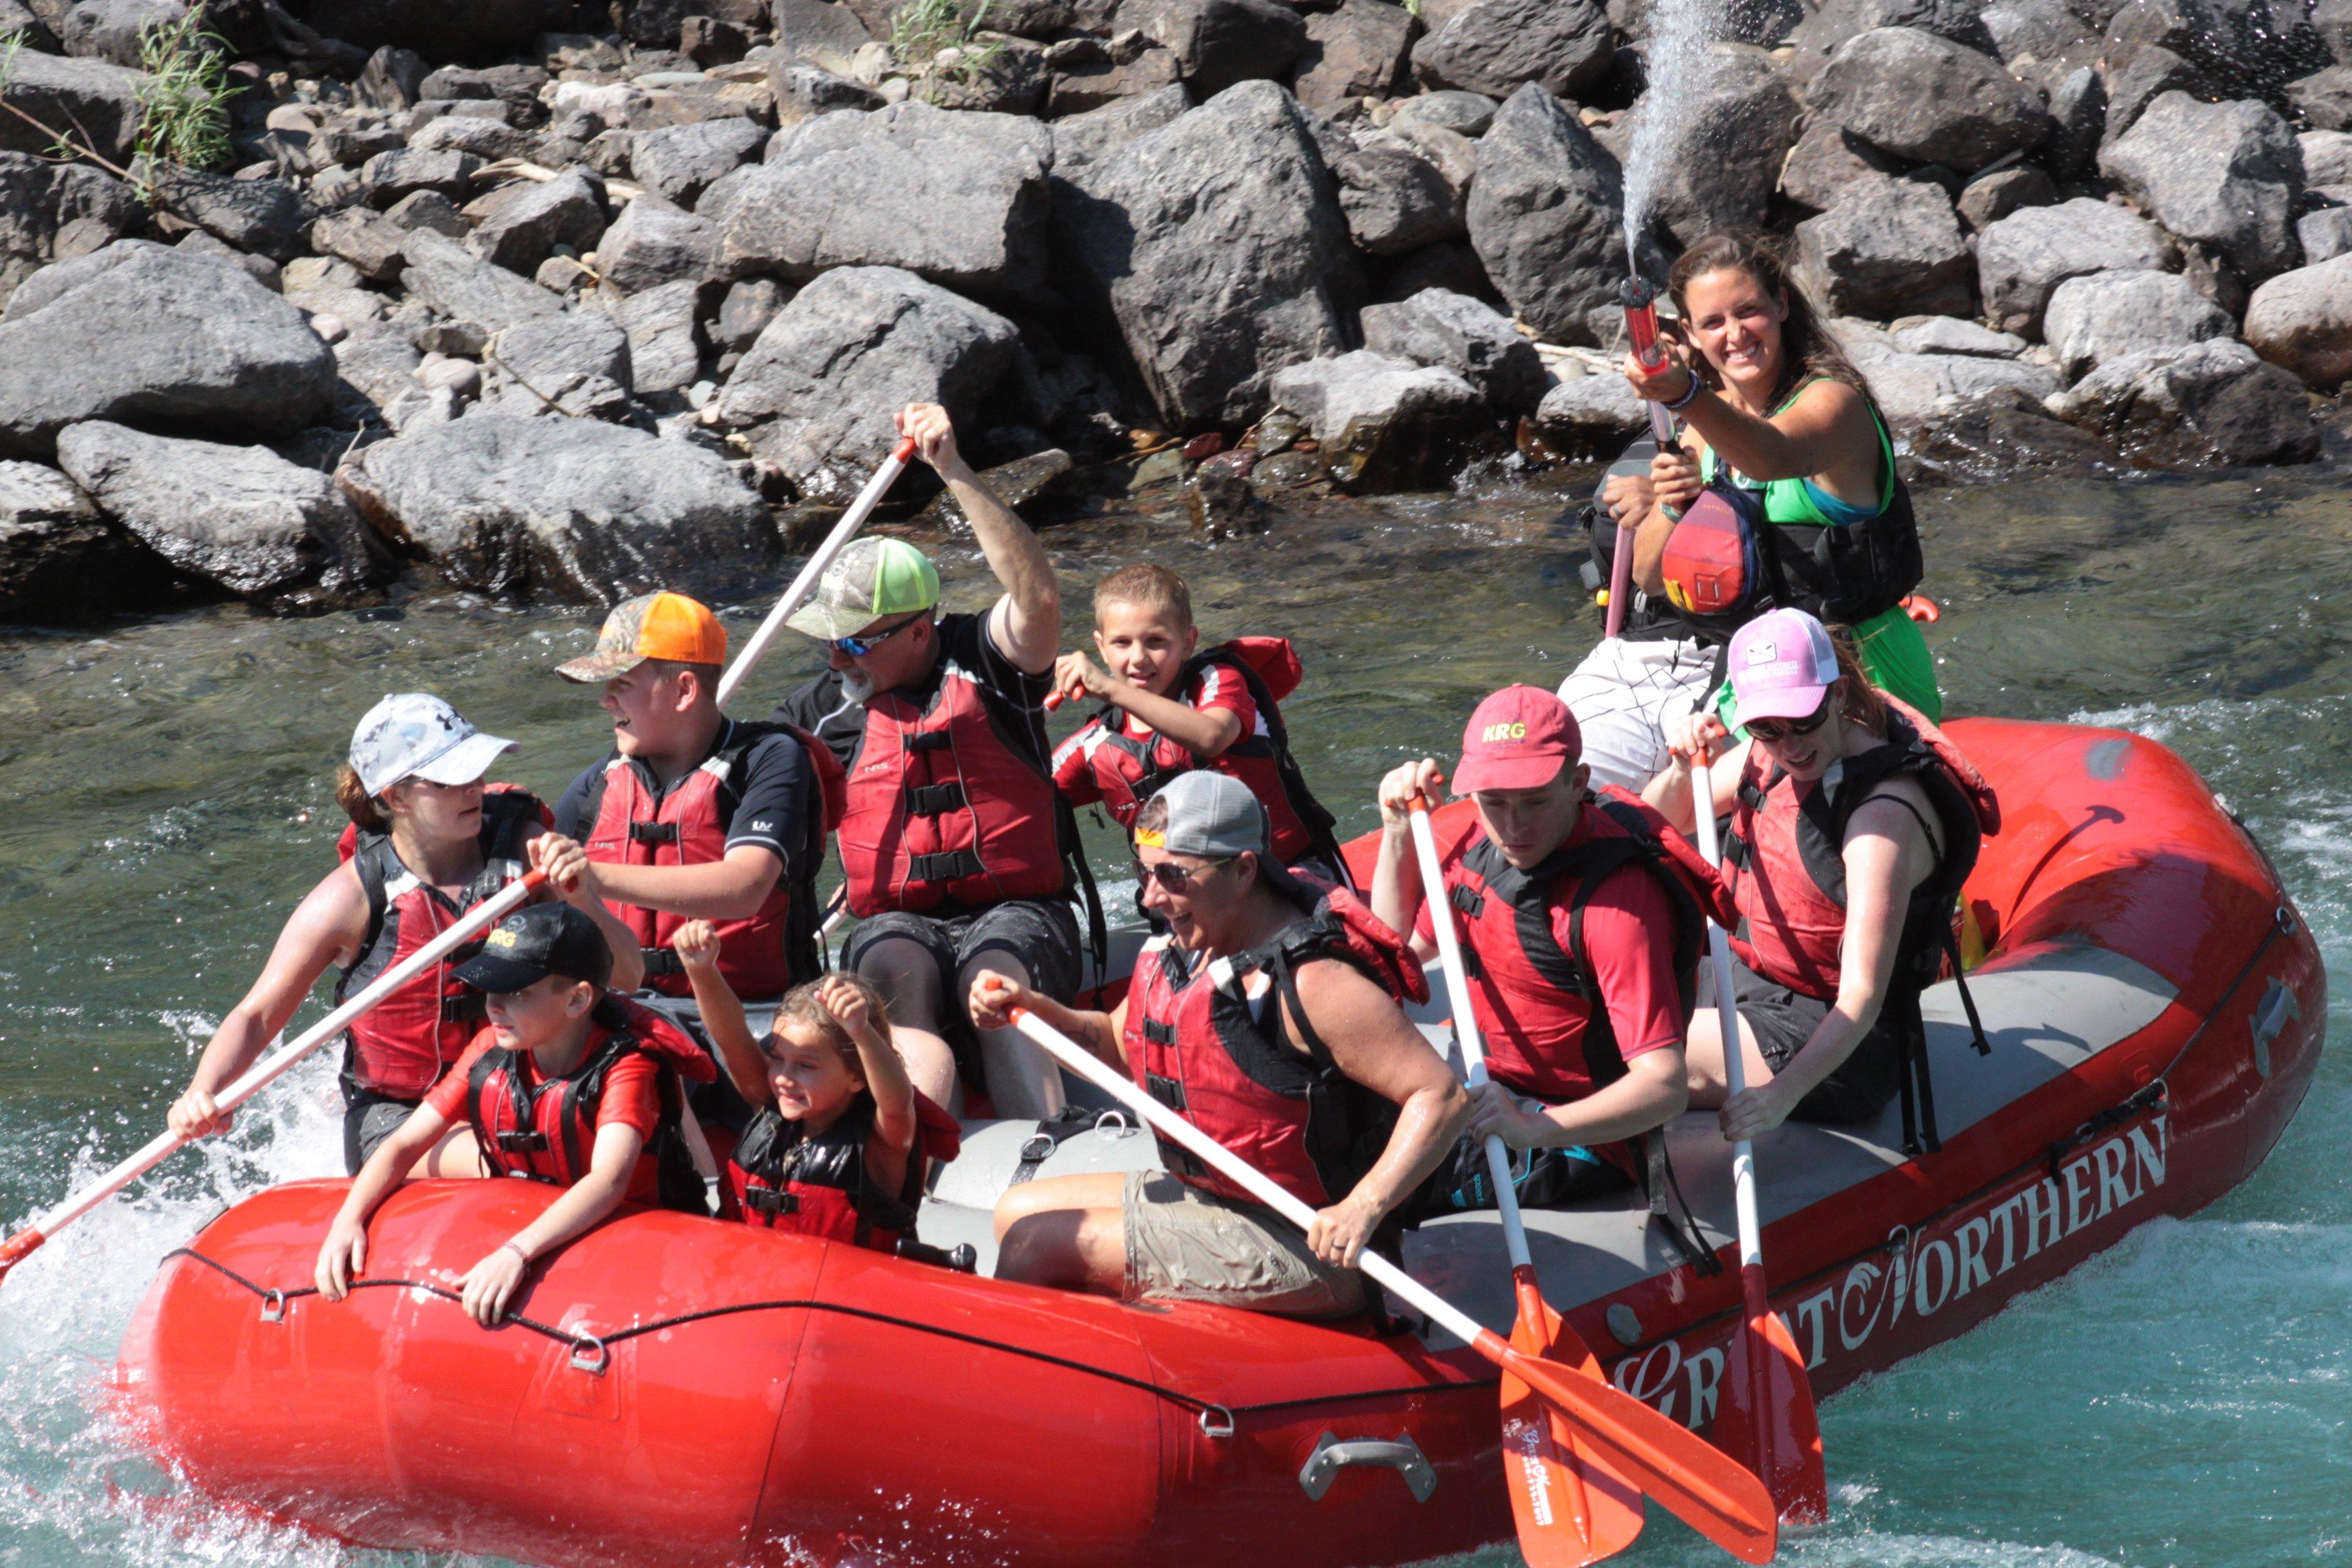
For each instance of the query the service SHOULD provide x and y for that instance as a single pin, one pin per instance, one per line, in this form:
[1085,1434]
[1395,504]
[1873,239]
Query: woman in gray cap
[428,841]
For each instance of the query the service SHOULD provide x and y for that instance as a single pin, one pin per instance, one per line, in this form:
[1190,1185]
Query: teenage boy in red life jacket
[1169,711]
[1268,1016]
[565,1086]
[695,815]
[1580,937]
[840,1142]
[958,851]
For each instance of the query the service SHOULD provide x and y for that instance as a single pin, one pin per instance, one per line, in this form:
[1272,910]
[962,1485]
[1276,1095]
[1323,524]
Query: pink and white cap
[1781,664]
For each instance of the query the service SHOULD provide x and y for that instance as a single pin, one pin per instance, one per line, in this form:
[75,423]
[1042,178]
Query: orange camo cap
[651,625]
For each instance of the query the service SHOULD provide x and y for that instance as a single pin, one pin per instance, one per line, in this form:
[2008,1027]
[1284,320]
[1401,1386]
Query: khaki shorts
[1185,1245]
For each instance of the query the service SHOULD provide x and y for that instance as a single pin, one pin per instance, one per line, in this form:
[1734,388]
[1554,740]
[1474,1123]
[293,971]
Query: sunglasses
[860,645]
[1172,877]
[1774,729]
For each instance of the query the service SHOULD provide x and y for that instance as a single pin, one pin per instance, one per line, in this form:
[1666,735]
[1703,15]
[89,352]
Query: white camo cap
[412,735]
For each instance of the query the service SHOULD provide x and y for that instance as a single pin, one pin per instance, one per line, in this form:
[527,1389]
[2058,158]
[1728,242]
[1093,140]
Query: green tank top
[1893,648]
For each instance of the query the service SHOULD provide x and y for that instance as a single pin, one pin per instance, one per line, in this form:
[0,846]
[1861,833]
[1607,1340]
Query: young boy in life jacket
[568,1085]
[1580,936]
[841,1139]
[1168,710]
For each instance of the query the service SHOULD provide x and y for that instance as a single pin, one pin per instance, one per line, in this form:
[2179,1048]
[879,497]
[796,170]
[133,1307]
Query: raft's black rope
[1174,1396]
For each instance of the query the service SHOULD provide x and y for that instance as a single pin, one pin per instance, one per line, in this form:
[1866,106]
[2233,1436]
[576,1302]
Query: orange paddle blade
[1696,1482]
[1764,1419]
[1572,1508]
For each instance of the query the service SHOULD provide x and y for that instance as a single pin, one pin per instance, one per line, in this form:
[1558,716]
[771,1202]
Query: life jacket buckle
[771,1201]
[532,1143]
[652,833]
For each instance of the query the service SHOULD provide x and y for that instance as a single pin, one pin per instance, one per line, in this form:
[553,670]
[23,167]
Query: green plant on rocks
[183,105]
[937,37]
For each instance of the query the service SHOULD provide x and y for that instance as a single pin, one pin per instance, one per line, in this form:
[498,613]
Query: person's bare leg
[1023,1082]
[1703,1058]
[908,979]
[1068,1233]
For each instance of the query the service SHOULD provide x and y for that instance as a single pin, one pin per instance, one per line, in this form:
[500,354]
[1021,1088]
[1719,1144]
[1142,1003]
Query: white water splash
[79,1493]
[1676,62]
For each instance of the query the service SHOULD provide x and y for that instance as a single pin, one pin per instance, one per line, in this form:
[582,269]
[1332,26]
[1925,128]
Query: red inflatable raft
[693,1392]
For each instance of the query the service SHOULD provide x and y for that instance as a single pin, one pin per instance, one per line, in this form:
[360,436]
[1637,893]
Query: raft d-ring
[2285,918]
[1117,1123]
[590,1354]
[273,1306]
[1216,1421]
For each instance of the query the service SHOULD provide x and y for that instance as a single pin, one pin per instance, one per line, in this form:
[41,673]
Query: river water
[2186,1399]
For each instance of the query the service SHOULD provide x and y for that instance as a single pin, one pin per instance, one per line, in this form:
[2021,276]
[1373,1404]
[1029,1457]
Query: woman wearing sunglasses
[1844,886]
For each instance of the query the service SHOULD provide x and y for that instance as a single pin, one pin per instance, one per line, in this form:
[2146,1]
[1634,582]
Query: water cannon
[1641,302]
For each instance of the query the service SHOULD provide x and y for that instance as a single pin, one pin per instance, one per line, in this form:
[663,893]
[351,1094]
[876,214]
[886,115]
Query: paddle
[1696,1482]
[1764,1415]
[1604,1505]
[267,1071]
[1642,327]
[806,583]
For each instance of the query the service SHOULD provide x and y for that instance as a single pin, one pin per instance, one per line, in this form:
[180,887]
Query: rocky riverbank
[544,298]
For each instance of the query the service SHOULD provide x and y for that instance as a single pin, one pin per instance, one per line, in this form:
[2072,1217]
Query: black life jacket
[784,1180]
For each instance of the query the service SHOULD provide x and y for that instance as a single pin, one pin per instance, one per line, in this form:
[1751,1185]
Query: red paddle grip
[904,451]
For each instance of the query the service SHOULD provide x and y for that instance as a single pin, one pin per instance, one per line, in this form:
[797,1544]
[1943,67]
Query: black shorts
[1039,934]
[369,1118]
[1784,1020]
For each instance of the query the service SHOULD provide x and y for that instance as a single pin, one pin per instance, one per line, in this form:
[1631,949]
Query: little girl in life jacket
[839,1145]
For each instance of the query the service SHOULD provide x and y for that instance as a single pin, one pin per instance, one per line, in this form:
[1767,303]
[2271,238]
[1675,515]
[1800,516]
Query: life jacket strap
[935,800]
[531,1142]
[652,833]
[949,867]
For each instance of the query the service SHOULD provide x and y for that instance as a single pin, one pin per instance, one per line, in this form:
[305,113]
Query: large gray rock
[377,363]
[1396,199]
[2302,320]
[654,242]
[1825,160]
[1360,50]
[1923,97]
[2332,21]
[1890,247]
[807,29]
[1590,413]
[803,91]
[2045,29]
[456,282]
[1095,77]
[2327,157]
[1383,424]
[64,93]
[389,177]
[1547,215]
[2104,316]
[663,353]
[818,389]
[1218,43]
[568,210]
[2143,79]
[1447,108]
[1496,45]
[54,212]
[1739,124]
[577,362]
[241,517]
[569,509]
[212,350]
[1082,140]
[2227,174]
[61,563]
[488,140]
[678,163]
[480,31]
[267,217]
[365,239]
[2323,98]
[1454,333]
[1837,22]
[1218,247]
[115,30]
[2325,235]
[958,198]
[2212,402]
[1915,391]
[2078,124]
[2023,257]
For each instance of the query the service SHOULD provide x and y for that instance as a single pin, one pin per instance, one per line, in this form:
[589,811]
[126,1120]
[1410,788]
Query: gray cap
[1209,814]
[412,735]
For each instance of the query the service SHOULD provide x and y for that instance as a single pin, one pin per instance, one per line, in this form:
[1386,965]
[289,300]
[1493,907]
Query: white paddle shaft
[806,583]
[1727,1016]
[268,1070]
[1466,1027]
[1280,1199]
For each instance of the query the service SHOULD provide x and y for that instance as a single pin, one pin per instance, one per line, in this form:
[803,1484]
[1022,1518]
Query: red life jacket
[1784,859]
[1128,772]
[820,1186]
[400,1047]
[762,957]
[1539,1011]
[1196,1044]
[944,809]
[546,1129]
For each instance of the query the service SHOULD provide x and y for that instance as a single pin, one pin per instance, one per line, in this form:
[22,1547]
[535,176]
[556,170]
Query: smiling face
[902,650]
[1526,824]
[1735,320]
[1205,909]
[1143,645]
[811,1078]
[653,708]
[1806,756]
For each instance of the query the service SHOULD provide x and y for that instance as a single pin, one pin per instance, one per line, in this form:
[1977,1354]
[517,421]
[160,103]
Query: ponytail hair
[1859,703]
[1808,353]
[357,804]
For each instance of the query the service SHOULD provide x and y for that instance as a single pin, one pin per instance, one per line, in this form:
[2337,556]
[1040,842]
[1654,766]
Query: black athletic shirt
[776,806]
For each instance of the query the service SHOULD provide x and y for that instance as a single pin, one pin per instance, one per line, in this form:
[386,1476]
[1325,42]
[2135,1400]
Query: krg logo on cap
[1516,731]
[501,937]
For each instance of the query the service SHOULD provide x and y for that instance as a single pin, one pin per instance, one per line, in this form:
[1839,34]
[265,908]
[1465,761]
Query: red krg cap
[1520,738]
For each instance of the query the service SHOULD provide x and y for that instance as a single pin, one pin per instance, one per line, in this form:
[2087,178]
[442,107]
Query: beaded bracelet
[1684,401]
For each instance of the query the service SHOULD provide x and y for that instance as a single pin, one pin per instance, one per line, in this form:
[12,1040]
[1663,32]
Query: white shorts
[1623,693]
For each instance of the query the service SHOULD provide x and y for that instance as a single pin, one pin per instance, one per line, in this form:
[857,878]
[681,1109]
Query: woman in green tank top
[1768,394]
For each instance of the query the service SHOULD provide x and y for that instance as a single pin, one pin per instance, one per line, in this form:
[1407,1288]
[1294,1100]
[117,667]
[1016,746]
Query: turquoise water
[2183,1400]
